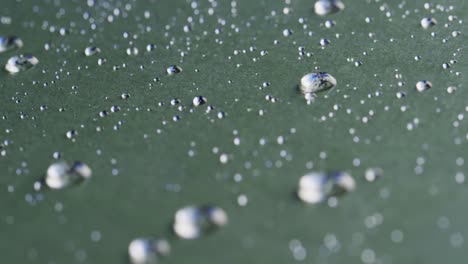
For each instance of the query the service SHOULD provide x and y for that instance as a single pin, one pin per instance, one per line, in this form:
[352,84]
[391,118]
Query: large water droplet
[199,100]
[20,63]
[327,7]
[316,187]
[317,82]
[148,250]
[173,69]
[423,85]
[9,43]
[191,222]
[90,51]
[61,175]
[428,22]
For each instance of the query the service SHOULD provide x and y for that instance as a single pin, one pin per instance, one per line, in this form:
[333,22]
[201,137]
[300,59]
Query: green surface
[140,200]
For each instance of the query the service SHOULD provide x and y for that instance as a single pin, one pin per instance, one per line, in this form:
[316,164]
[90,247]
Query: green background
[156,175]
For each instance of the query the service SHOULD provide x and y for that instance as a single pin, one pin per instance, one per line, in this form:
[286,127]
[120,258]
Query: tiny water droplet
[20,63]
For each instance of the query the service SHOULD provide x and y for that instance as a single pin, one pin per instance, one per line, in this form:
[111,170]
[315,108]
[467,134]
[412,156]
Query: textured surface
[418,196]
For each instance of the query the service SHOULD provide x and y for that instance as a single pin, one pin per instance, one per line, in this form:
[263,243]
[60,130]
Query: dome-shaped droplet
[428,22]
[173,69]
[312,187]
[90,51]
[423,85]
[9,43]
[20,63]
[148,250]
[327,7]
[191,222]
[317,82]
[58,175]
[199,100]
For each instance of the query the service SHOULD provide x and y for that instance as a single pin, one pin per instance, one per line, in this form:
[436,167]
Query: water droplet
[199,100]
[423,85]
[428,22]
[148,250]
[316,187]
[287,32]
[324,42]
[132,51]
[9,43]
[150,47]
[173,69]
[90,51]
[71,134]
[330,23]
[191,222]
[316,82]
[372,174]
[61,175]
[20,63]
[327,7]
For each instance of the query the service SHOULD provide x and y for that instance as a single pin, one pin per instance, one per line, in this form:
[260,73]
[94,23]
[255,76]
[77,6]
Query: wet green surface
[412,198]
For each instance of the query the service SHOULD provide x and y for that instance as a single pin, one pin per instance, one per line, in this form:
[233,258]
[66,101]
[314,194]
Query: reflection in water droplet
[423,85]
[316,82]
[61,175]
[191,222]
[316,187]
[327,7]
[20,63]
[90,51]
[9,43]
[148,250]
[173,69]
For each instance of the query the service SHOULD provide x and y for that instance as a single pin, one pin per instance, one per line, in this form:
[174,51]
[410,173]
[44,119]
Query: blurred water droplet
[191,222]
[9,43]
[20,63]
[173,69]
[316,187]
[61,175]
[148,250]
[327,7]
[423,85]
[373,174]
